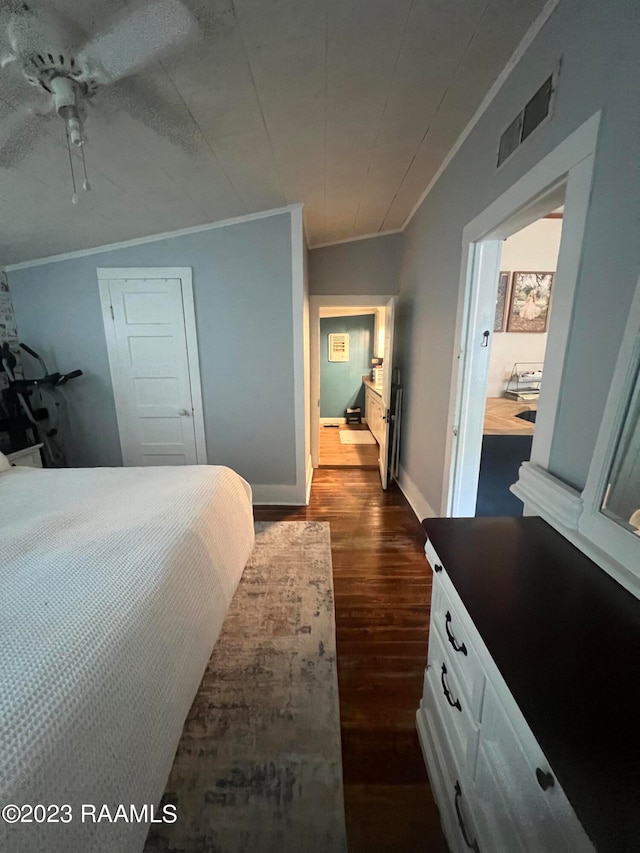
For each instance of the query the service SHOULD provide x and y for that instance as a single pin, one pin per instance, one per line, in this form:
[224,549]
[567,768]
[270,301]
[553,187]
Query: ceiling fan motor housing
[42,67]
[67,100]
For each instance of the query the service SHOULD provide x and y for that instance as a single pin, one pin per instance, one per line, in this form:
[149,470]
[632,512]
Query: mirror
[609,520]
[621,500]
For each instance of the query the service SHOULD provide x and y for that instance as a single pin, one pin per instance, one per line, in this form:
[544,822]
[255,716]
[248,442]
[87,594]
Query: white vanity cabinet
[374,412]
[494,788]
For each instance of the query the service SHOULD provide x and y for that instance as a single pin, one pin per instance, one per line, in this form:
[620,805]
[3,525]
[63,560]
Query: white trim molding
[154,238]
[298,338]
[337,421]
[359,237]
[316,303]
[417,501]
[554,500]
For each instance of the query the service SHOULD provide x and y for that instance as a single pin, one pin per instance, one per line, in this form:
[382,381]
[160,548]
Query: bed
[114,586]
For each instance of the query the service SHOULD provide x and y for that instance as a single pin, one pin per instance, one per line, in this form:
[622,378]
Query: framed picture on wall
[501,302]
[529,301]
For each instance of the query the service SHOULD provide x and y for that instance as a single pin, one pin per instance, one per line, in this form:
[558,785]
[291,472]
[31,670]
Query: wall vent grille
[536,111]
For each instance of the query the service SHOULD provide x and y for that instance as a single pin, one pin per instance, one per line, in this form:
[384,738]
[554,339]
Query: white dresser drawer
[452,789]
[500,830]
[517,793]
[497,783]
[454,708]
[459,644]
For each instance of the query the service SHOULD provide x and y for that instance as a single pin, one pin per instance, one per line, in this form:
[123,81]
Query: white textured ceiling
[349,106]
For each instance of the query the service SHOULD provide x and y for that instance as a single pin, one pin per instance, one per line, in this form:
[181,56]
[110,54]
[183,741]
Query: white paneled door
[150,331]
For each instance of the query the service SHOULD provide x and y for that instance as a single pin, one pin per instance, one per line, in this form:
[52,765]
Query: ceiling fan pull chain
[86,186]
[74,197]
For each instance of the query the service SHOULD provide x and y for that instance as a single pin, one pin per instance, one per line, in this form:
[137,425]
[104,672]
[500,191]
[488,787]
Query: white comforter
[113,587]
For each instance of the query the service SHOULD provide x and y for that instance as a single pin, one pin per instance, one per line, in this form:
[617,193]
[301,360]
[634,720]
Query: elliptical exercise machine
[37,403]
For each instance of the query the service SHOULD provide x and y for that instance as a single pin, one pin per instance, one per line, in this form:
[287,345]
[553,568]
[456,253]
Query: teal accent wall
[341,382]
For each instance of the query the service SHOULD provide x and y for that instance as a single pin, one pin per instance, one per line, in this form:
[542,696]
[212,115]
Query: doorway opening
[351,380]
[349,339]
[562,178]
[516,360]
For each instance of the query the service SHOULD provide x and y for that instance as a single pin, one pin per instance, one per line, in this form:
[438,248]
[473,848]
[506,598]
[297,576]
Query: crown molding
[356,239]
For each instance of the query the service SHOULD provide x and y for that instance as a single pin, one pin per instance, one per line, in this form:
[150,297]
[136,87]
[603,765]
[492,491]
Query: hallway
[382,588]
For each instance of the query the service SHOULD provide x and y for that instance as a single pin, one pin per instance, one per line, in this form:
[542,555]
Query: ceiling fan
[68,67]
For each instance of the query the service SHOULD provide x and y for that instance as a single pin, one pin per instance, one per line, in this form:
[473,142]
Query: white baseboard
[417,501]
[336,421]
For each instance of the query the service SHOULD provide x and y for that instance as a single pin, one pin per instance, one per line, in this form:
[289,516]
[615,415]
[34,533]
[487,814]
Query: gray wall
[242,290]
[368,267]
[598,44]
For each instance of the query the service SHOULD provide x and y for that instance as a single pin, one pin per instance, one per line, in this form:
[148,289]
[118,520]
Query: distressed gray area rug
[258,768]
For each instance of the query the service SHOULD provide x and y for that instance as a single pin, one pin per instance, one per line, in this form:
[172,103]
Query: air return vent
[339,347]
[527,120]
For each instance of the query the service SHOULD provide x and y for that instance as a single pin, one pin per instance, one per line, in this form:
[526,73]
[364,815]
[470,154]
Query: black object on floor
[501,458]
[353,415]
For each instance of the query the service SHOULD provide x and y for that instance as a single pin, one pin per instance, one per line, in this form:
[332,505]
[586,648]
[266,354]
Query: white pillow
[4,462]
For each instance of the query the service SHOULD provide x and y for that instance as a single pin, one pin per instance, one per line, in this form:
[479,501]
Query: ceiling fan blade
[21,130]
[146,35]
[145,100]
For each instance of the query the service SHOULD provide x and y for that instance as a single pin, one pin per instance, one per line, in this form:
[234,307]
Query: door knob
[184,413]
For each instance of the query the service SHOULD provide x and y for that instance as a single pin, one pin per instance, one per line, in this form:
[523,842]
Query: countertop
[566,638]
[377,389]
[500,417]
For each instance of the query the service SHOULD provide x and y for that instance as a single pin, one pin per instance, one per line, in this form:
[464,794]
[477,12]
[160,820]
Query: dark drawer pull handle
[545,779]
[446,691]
[450,635]
[437,567]
[472,845]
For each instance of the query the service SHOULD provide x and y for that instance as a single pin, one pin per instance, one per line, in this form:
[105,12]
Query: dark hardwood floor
[382,593]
